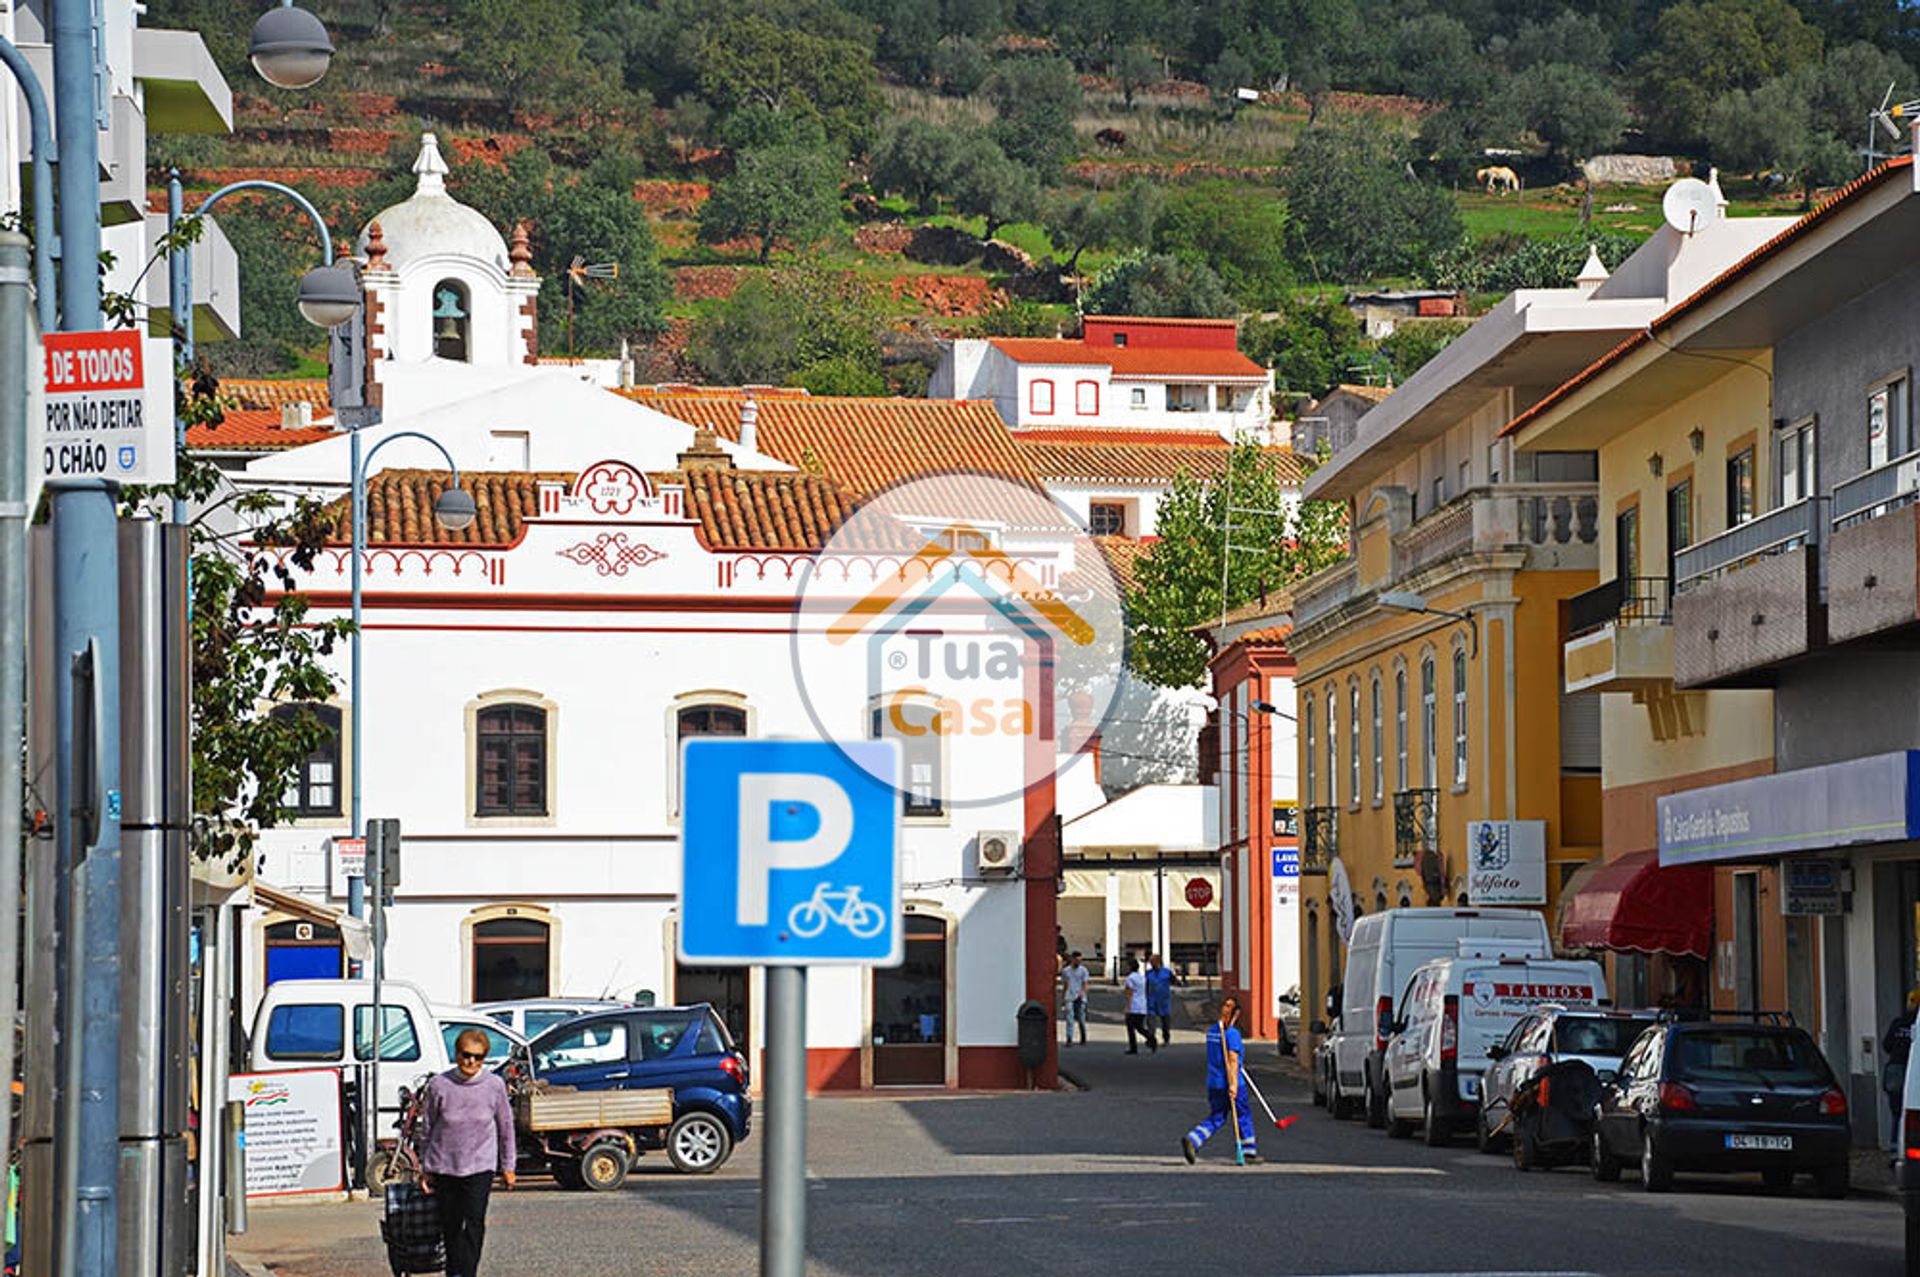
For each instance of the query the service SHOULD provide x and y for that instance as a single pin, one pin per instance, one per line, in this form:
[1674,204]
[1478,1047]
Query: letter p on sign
[790,852]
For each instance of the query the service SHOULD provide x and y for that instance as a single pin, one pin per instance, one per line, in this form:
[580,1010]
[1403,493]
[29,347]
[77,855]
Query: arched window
[1400,730]
[1379,902]
[1429,726]
[1313,745]
[1353,743]
[1333,748]
[314,788]
[510,760]
[511,959]
[452,321]
[1459,717]
[711,720]
[1379,756]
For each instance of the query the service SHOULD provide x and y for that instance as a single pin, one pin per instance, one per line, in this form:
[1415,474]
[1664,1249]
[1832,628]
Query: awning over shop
[1633,905]
[356,937]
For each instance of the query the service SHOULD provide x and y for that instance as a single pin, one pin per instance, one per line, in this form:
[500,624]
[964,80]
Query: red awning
[1633,905]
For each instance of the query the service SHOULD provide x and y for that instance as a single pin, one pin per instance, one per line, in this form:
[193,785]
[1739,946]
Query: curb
[1073,1080]
[241,1263]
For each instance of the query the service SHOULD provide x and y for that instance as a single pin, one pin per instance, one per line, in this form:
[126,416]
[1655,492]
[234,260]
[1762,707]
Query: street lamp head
[329,295]
[1263,707]
[454,509]
[290,48]
[1403,600]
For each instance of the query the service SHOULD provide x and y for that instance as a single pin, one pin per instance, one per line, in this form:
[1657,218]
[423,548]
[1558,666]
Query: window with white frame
[1086,398]
[1353,743]
[1889,425]
[1313,744]
[1137,399]
[314,788]
[1459,717]
[1040,397]
[1798,462]
[1400,730]
[1429,726]
[1333,749]
[1379,756]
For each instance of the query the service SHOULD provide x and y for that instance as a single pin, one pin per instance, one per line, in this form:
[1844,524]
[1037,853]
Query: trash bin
[1036,1033]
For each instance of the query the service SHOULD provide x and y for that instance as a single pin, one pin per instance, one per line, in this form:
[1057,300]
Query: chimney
[1593,274]
[706,453]
[626,365]
[750,424]
[296,416]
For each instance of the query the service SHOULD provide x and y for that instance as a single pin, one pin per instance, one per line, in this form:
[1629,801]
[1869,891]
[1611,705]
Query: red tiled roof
[1272,634]
[1127,460]
[1719,283]
[865,445]
[737,509]
[252,392]
[1372,394]
[1129,361]
[1122,555]
[252,430]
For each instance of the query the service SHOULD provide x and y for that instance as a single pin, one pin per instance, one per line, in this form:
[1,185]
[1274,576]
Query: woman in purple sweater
[469,1136]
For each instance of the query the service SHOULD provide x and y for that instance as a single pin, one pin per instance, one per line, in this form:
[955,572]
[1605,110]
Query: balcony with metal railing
[1416,825]
[1751,597]
[1871,556]
[1320,841]
[1621,636]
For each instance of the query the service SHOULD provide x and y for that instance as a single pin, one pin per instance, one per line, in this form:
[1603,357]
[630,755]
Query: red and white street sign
[349,861]
[1199,892]
[100,422]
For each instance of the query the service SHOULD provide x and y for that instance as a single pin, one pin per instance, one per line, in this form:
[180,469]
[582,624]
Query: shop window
[452,315]
[1040,397]
[314,788]
[510,761]
[1107,519]
[510,959]
[1086,398]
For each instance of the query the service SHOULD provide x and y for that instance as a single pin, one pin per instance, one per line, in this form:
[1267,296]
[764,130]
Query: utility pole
[86,679]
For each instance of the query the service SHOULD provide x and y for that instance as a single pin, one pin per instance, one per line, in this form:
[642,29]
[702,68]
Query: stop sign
[1199,892]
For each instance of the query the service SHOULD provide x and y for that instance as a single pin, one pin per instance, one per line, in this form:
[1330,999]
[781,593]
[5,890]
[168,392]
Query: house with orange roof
[1122,374]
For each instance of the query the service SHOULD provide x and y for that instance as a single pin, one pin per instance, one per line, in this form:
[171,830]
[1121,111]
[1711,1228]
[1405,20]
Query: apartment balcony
[1750,598]
[1557,524]
[1871,560]
[1325,592]
[1622,636]
[1321,839]
[1416,825]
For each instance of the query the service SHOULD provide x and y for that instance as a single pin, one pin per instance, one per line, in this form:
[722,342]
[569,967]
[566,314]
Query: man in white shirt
[1137,1011]
[1073,995]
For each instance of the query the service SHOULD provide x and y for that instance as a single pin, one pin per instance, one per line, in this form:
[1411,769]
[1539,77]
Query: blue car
[636,1048]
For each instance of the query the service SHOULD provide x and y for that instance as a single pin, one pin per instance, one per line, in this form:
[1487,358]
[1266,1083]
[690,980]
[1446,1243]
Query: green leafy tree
[1241,235]
[1159,284]
[1036,100]
[1805,125]
[1312,345]
[960,65]
[1568,38]
[801,328]
[1413,342]
[791,71]
[789,193]
[1077,222]
[917,159]
[1435,57]
[688,120]
[1178,582]
[988,184]
[1016,317]
[1135,68]
[1701,52]
[1356,210]
[514,46]
[1573,109]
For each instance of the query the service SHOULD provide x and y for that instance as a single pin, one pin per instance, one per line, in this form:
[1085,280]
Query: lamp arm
[446,456]
[262,184]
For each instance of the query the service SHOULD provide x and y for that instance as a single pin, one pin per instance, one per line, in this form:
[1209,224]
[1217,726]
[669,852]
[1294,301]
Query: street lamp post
[453,509]
[1408,601]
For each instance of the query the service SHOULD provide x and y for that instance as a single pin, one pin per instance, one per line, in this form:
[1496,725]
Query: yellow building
[1442,758]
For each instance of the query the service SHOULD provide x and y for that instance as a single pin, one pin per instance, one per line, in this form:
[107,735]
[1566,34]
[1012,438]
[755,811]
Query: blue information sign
[790,852]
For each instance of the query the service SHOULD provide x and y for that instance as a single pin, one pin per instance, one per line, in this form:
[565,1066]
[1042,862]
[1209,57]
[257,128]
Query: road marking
[1523,1272]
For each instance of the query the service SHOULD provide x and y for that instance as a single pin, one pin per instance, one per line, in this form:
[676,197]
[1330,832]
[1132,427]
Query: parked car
[302,1024]
[530,1017]
[1726,1097]
[1384,951]
[1597,1036]
[1326,1085]
[1453,1011]
[500,1039]
[684,1048]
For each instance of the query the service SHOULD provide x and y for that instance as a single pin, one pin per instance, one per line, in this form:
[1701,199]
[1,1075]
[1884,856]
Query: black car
[1724,1096]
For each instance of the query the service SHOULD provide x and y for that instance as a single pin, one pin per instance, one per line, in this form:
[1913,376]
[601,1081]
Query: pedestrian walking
[1896,1044]
[1074,978]
[1160,998]
[1137,1026]
[468,1137]
[1226,1089]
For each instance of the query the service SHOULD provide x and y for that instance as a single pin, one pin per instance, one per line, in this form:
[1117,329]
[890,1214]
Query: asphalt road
[1093,1183]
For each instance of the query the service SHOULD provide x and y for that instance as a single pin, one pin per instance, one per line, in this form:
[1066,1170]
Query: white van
[1382,954]
[1451,1012]
[302,1024]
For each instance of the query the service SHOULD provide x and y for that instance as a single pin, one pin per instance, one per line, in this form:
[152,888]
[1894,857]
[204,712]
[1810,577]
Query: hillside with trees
[876,173]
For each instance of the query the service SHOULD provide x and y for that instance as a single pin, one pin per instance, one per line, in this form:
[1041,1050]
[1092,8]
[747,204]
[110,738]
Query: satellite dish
[1689,205]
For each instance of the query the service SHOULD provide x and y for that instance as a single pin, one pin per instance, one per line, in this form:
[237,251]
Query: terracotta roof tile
[865,445]
[252,430]
[1272,634]
[1372,394]
[1130,361]
[737,509]
[252,392]
[1122,554]
[1126,460]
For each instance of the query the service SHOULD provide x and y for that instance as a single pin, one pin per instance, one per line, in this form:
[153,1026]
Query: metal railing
[1321,839]
[1886,487]
[1804,523]
[1625,600]
[1416,824]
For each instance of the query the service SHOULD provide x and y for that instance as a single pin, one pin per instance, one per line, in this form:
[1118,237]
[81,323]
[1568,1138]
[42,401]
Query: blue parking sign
[790,852]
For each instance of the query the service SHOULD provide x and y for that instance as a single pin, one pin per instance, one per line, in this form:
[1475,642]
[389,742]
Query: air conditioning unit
[997,853]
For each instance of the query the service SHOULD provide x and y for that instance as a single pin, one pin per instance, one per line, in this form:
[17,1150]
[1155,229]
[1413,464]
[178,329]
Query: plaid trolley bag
[411,1230]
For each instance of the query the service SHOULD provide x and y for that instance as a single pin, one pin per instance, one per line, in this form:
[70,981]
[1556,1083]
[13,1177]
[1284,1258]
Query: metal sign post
[790,858]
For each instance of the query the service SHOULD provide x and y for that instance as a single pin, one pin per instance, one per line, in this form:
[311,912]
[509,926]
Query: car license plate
[1775,1143]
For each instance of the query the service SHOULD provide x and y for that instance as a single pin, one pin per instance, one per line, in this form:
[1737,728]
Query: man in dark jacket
[1896,1044]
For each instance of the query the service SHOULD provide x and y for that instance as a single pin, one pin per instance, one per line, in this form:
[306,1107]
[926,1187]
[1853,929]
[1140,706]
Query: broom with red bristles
[1280,1123]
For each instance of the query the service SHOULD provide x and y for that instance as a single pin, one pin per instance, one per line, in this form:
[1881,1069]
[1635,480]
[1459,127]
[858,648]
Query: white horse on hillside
[1498,178]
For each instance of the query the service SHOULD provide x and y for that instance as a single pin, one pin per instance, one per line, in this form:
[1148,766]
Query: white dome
[430,221]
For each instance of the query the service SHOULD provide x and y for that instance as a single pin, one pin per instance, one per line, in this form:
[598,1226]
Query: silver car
[1596,1036]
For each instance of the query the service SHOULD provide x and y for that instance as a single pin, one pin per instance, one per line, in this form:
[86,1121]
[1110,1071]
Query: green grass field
[1554,211]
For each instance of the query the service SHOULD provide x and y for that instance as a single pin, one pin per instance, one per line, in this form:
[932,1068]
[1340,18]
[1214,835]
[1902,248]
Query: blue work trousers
[1217,1101]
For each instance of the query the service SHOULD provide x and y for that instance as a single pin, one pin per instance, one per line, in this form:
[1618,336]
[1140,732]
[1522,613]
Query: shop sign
[1507,862]
[1861,800]
[294,1143]
[1812,885]
[1286,862]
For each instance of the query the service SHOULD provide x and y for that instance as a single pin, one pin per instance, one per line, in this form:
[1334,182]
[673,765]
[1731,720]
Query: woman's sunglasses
[474,1055]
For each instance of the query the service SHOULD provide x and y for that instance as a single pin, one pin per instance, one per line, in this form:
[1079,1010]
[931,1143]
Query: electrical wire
[1707,354]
